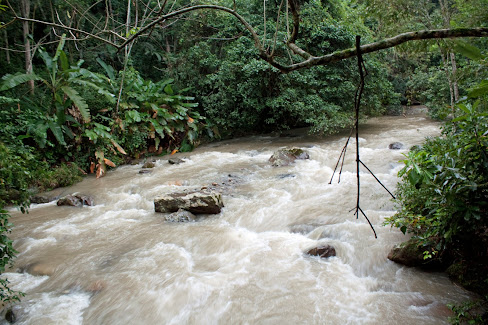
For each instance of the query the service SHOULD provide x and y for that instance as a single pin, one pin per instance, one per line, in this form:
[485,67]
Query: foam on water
[119,262]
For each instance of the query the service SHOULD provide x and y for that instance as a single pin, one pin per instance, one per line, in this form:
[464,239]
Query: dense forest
[87,86]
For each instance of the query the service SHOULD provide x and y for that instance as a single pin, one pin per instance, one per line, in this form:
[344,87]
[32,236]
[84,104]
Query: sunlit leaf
[118,147]
[108,162]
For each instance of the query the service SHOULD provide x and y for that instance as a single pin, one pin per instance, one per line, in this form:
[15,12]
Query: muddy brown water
[119,262]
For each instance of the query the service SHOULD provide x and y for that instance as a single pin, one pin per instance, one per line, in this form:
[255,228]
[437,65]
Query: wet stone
[39,269]
[322,251]
[395,146]
[282,176]
[197,202]
[175,161]
[148,164]
[285,157]
[77,200]
[145,171]
[10,316]
[302,229]
[41,198]
[180,216]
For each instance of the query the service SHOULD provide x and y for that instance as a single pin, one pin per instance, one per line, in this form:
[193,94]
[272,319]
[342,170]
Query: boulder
[180,216]
[408,253]
[144,171]
[85,199]
[10,316]
[148,164]
[39,269]
[411,253]
[175,161]
[42,198]
[285,157]
[77,200]
[395,146]
[70,200]
[203,201]
[322,251]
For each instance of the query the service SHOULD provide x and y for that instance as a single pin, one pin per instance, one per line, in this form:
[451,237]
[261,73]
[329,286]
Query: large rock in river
[77,200]
[411,253]
[197,202]
[324,251]
[285,157]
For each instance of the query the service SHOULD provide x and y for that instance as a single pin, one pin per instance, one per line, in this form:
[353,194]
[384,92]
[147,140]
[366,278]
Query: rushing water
[119,262]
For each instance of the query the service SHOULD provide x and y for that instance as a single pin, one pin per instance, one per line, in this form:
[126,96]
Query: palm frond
[11,81]
[78,101]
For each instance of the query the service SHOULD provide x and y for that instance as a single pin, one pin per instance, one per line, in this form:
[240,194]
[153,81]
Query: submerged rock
[10,316]
[175,161]
[411,253]
[395,146]
[285,157]
[408,253]
[96,286]
[282,176]
[197,202]
[39,269]
[43,198]
[322,251]
[148,164]
[302,229]
[145,171]
[77,200]
[180,216]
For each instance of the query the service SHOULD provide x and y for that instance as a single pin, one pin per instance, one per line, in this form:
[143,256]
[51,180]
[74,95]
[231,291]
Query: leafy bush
[14,180]
[242,94]
[444,188]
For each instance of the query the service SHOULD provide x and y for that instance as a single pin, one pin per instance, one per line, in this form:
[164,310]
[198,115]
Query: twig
[357,103]
[369,170]
[342,155]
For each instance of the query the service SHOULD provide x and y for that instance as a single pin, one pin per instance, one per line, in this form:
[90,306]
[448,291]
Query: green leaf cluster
[443,194]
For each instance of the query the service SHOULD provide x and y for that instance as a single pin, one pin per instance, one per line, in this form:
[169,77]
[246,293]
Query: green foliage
[57,176]
[240,93]
[470,312]
[444,189]
[14,179]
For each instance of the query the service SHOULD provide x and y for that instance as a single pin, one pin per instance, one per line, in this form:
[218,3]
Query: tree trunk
[25,10]
[7,51]
[445,58]
[454,77]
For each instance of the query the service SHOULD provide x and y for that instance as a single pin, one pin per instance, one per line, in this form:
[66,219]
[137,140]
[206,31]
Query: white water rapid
[119,262]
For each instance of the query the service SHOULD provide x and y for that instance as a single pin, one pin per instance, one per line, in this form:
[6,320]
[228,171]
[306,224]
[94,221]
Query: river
[119,262]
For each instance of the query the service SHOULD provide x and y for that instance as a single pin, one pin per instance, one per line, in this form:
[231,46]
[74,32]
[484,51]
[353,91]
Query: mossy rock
[285,157]
[411,253]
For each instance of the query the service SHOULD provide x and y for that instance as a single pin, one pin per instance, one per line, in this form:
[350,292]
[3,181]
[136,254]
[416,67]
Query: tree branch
[68,28]
[388,43]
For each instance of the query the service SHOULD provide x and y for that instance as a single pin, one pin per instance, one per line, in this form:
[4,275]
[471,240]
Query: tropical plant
[14,180]
[443,194]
